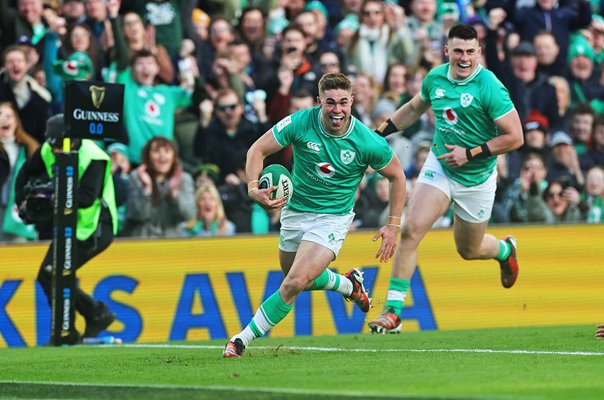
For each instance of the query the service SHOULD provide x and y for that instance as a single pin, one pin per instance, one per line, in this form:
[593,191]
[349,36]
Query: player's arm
[510,138]
[510,134]
[262,148]
[404,117]
[394,172]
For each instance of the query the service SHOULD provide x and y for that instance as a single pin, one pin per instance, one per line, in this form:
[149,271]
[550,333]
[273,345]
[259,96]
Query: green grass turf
[380,367]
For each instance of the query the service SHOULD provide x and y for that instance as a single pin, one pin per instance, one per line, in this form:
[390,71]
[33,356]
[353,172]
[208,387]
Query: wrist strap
[251,185]
[481,151]
[386,128]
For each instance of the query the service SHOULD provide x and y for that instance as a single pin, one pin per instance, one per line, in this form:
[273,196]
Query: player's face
[463,57]
[336,105]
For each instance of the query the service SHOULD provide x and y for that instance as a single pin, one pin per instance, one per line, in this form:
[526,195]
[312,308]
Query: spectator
[582,123]
[223,130]
[563,99]
[560,203]
[252,28]
[593,197]
[344,32]
[526,190]
[395,82]
[299,100]
[294,58]
[565,162]
[160,193]
[546,15]
[423,23]
[96,16]
[120,171]
[27,20]
[210,219]
[201,24]
[73,11]
[221,34]
[307,21]
[77,64]
[595,155]
[365,92]
[16,146]
[528,88]
[583,79]
[24,92]
[382,39]
[132,36]
[171,18]
[377,194]
[536,136]
[401,146]
[151,107]
[547,50]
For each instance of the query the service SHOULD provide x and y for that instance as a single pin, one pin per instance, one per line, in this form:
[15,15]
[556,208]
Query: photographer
[97,215]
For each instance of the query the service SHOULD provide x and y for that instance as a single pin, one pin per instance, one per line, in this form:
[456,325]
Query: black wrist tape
[481,151]
[386,128]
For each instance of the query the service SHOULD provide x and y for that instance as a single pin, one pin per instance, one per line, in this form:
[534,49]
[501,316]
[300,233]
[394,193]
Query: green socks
[329,280]
[270,313]
[504,250]
[397,292]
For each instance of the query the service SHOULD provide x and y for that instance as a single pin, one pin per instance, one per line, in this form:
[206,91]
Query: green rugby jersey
[328,168]
[465,112]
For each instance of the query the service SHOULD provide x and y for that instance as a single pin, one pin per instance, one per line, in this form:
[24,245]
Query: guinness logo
[97,95]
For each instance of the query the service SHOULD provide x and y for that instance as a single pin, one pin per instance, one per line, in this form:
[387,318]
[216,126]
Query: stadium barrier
[198,289]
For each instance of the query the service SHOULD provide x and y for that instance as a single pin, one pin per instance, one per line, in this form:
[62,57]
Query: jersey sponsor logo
[152,109]
[466,99]
[314,147]
[71,67]
[440,93]
[347,156]
[450,116]
[325,170]
[283,123]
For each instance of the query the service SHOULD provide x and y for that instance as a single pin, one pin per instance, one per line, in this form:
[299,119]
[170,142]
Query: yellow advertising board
[196,289]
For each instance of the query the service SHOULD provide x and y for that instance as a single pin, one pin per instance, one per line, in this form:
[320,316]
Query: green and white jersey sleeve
[327,168]
[465,113]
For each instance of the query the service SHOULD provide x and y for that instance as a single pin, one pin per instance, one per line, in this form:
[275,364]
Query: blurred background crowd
[204,79]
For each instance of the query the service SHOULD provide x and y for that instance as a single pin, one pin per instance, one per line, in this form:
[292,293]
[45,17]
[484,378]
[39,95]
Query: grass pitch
[523,363]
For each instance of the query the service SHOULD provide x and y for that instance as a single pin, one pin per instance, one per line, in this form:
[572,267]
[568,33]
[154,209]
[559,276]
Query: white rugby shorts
[473,204]
[328,230]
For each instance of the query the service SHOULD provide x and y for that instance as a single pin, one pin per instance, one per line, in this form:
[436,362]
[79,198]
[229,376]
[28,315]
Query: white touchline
[340,349]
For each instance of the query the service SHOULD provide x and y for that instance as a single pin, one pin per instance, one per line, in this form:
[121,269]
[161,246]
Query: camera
[37,206]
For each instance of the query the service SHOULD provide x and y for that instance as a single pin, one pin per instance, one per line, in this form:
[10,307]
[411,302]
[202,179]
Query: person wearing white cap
[565,162]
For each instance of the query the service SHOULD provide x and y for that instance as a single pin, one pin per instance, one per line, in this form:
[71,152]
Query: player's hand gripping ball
[277,175]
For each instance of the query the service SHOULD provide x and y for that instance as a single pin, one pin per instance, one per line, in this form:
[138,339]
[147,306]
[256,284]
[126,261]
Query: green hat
[119,147]
[350,21]
[580,47]
[277,25]
[317,5]
[78,66]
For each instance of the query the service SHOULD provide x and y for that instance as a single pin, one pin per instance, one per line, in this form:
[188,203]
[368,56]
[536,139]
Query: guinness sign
[94,110]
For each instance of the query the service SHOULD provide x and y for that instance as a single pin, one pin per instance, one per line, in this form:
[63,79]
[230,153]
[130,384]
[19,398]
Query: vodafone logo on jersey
[152,109]
[450,116]
[325,170]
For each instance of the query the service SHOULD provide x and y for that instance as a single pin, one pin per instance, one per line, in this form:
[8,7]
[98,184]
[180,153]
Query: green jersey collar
[325,133]
[468,79]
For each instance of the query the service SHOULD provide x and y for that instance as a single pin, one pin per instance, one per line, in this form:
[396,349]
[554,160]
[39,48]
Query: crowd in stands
[204,79]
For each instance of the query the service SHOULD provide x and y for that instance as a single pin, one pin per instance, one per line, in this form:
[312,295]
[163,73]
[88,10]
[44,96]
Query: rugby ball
[277,175]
